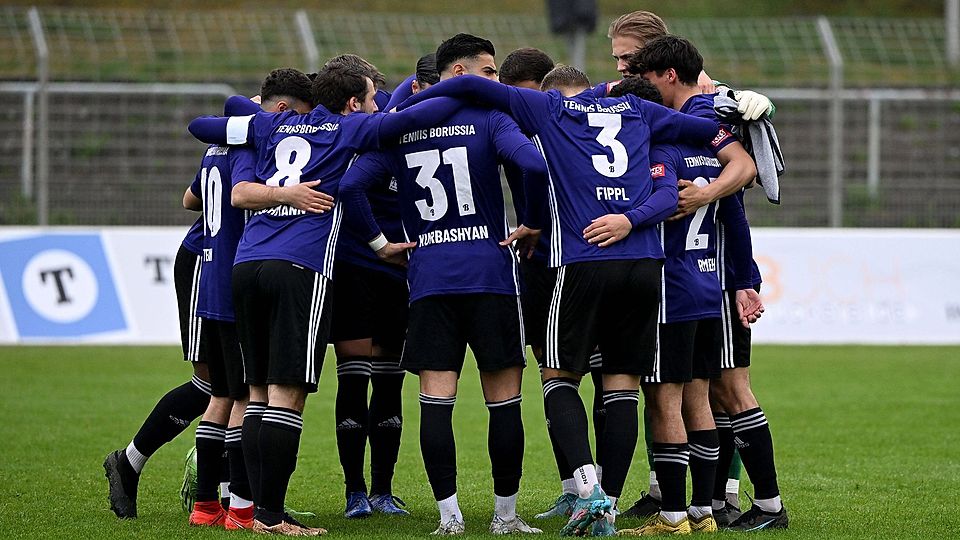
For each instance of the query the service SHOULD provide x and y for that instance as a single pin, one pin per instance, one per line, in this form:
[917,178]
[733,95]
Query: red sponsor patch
[722,135]
[658,171]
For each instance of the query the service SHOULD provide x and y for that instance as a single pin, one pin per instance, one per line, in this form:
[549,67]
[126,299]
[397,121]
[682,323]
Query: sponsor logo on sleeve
[658,171]
[722,135]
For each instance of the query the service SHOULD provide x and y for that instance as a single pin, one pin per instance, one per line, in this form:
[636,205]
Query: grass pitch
[866,444]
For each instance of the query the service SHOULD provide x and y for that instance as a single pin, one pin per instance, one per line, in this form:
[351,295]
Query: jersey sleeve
[528,107]
[195,186]
[723,138]
[670,126]
[662,201]
[392,125]
[243,165]
[240,106]
[731,214]
[365,173]
[400,93]
[236,130]
[516,149]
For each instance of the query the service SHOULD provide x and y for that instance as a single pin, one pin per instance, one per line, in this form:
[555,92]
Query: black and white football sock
[751,436]
[505,446]
[250,441]
[280,432]
[437,445]
[170,416]
[568,420]
[704,449]
[670,462]
[619,438]
[725,457]
[210,440]
[353,376]
[386,422]
[240,496]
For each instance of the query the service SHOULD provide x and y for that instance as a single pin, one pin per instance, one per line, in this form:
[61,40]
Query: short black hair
[667,52]
[359,63]
[427,69]
[462,46]
[637,86]
[335,85]
[286,82]
[564,76]
[526,64]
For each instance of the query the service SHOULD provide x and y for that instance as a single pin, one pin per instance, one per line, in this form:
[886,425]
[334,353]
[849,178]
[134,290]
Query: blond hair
[642,25]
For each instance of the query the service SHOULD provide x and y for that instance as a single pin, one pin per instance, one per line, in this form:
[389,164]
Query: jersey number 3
[610,124]
[428,162]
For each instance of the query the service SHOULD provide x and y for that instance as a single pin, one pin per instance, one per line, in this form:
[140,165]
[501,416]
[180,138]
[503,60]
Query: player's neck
[684,93]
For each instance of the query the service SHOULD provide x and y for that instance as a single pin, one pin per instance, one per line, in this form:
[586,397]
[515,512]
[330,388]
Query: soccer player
[425,76]
[739,416]
[354,61]
[285,257]
[604,240]
[178,407]
[677,393]
[221,426]
[463,276]
[526,68]
[370,299]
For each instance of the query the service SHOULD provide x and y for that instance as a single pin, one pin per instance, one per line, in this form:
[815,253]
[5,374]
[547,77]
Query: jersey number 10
[211,191]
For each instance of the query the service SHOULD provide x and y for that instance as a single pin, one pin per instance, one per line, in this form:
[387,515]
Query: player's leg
[495,335]
[576,300]
[751,432]
[649,502]
[253,334]
[300,316]
[725,511]
[352,337]
[386,404]
[240,507]
[627,338]
[598,411]
[176,409]
[539,280]
[211,433]
[663,396]
[434,350]
[701,430]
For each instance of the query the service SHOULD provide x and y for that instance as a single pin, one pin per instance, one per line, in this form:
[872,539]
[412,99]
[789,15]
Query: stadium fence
[868,109]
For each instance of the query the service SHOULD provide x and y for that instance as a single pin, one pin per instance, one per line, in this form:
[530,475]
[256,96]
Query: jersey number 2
[695,240]
[428,162]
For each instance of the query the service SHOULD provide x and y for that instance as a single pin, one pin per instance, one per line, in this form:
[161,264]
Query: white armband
[237,129]
[378,243]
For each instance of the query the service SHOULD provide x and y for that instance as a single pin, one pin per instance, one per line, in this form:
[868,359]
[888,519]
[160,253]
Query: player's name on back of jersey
[707,265]
[596,107]
[437,132]
[281,210]
[218,150]
[456,234]
[702,161]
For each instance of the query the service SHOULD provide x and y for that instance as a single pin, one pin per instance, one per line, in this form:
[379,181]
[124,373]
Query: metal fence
[116,151]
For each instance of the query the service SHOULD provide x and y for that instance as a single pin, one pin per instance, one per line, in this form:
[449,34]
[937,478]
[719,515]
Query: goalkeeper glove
[752,105]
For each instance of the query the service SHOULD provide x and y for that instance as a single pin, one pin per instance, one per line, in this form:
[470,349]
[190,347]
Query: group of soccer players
[324,221]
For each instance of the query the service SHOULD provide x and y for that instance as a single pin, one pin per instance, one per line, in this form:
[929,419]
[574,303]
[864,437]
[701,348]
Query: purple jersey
[691,286]
[352,247]
[292,148]
[592,173]
[451,200]
[193,241]
[731,248]
[222,167]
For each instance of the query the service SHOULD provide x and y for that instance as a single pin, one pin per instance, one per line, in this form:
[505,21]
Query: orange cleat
[207,514]
[239,518]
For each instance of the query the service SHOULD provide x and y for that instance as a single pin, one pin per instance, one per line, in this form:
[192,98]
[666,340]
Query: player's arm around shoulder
[738,171]
[251,195]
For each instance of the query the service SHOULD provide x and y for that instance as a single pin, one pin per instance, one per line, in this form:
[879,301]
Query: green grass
[866,439]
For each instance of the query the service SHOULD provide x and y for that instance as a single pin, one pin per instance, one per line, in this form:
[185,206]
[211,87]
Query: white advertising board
[115,285]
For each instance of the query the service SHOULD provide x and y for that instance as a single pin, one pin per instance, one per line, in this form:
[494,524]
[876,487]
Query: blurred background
[99,93]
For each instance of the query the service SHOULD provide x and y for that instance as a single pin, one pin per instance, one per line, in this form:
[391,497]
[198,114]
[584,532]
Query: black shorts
[369,304]
[283,321]
[442,326]
[687,350]
[538,282]
[186,281]
[220,347]
[735,351]
[610,304]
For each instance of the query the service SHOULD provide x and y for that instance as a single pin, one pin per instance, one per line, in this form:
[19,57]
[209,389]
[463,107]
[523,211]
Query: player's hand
[395,253]
[706,83]
[752,105]
[303,197]
[526,239]
[608,229]
[691,198]
[749,306]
